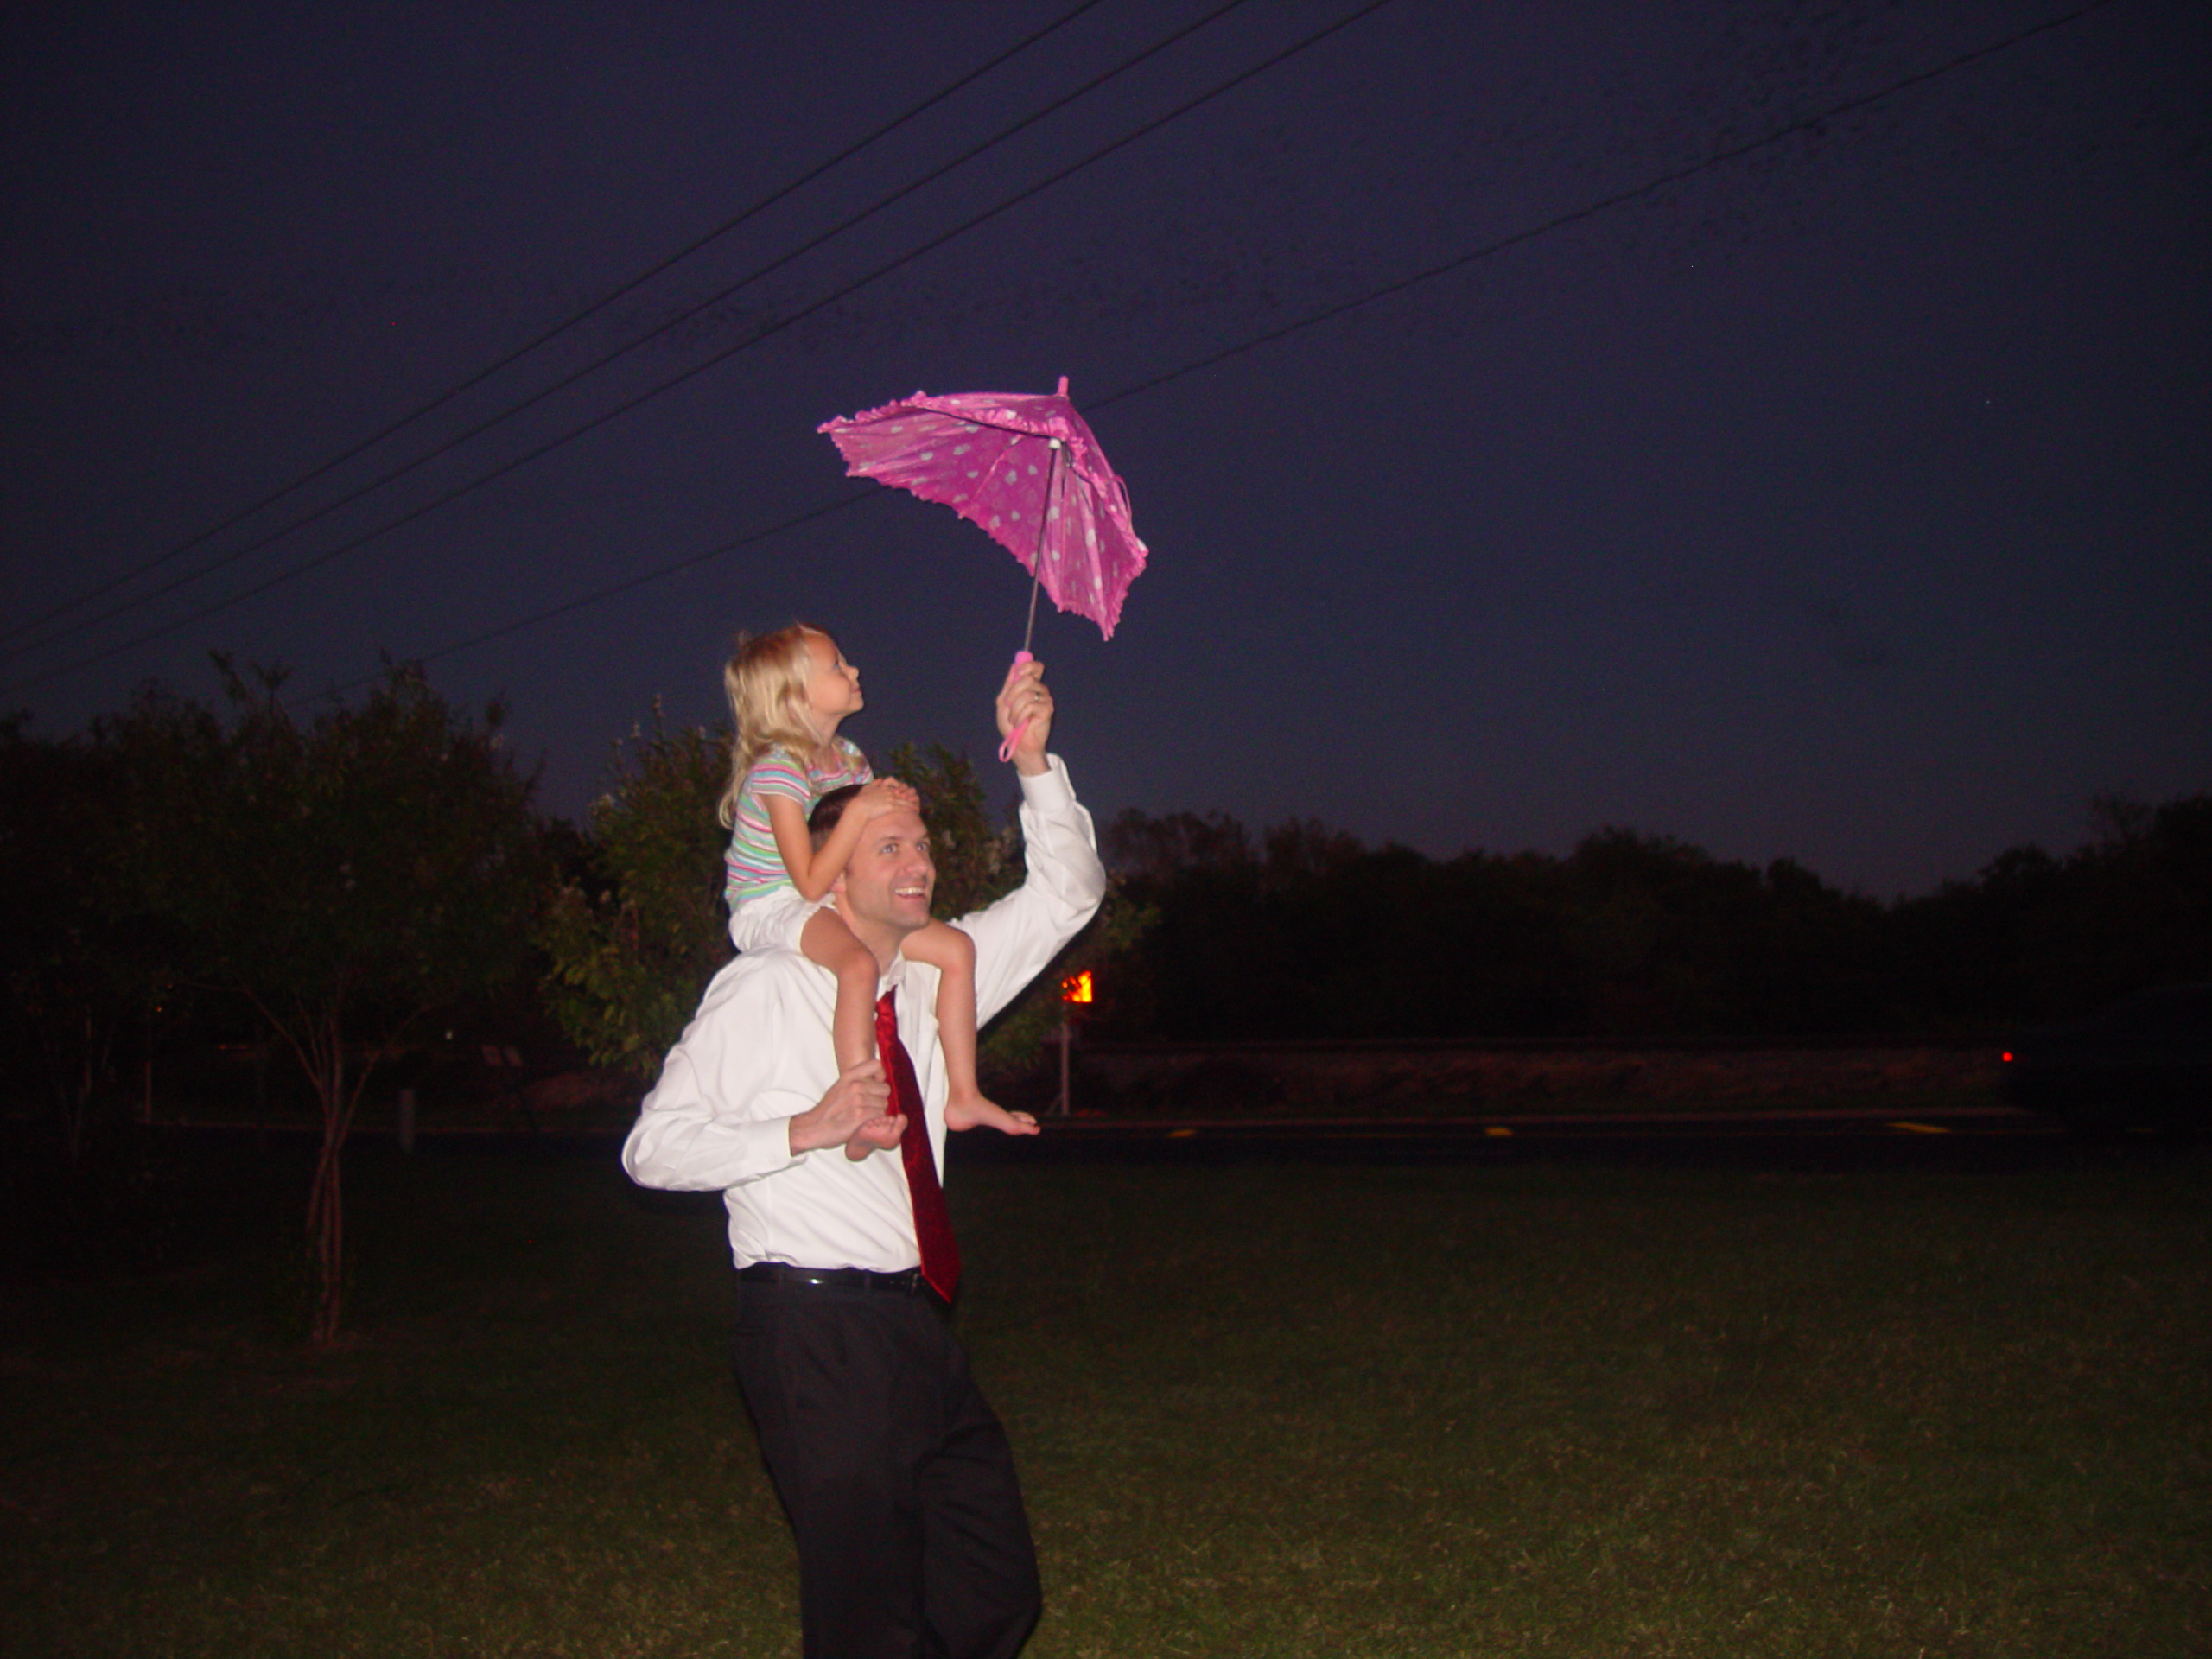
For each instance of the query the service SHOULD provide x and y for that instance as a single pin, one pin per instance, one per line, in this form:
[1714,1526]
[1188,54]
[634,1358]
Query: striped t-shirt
[753,866]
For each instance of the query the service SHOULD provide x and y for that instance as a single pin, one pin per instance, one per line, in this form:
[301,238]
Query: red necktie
[932,1227]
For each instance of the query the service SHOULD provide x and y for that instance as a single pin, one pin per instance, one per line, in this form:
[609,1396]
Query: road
[1984,1136]
[1976,1137]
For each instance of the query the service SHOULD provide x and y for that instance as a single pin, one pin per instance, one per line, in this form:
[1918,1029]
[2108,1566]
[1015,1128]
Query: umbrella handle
[1005,749]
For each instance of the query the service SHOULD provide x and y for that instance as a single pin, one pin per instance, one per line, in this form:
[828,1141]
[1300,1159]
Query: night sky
[1843,499]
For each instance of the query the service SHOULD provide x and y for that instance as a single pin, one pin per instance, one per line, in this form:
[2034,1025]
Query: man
[895,1474]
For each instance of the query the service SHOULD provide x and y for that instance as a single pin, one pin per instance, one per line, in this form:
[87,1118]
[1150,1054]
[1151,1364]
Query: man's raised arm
[1016,937]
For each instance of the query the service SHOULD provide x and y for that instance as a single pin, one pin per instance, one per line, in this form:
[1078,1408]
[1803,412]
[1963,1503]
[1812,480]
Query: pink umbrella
[1025,469]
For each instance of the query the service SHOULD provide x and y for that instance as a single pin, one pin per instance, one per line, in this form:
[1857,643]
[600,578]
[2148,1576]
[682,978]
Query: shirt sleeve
[1016,937]
[719,1116]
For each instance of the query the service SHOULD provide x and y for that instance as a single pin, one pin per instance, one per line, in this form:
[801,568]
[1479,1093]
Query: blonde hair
[766,679]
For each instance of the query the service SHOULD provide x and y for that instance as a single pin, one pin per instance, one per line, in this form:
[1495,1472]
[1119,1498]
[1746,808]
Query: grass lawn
[1490,1409]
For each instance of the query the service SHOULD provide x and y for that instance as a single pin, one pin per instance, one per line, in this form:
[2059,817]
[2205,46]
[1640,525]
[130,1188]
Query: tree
[83,970]
[345,875]
[2036,937]
[634,938]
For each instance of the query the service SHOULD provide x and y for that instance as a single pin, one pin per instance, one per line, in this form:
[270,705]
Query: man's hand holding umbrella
[1025,707]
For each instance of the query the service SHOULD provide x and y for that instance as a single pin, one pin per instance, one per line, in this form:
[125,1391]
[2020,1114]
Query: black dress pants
[895,1472]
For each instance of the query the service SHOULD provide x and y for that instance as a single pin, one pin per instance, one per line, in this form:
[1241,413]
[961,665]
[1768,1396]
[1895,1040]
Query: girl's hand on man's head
[882,795]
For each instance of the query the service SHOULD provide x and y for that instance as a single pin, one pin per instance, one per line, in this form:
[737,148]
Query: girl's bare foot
[973,1112]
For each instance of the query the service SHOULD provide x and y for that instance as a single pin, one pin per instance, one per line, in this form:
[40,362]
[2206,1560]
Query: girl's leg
[828,943]
[826,940]
[952,953]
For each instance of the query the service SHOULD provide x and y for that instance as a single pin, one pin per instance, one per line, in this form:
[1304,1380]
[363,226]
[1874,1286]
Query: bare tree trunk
[319,1040]
[80,1109]
[326,1201]
[80,1093]
[146,1107]
[260,1079]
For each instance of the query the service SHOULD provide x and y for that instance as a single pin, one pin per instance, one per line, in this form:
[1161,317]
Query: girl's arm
[812,868]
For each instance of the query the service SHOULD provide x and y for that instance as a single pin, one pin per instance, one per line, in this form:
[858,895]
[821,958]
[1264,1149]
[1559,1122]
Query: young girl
[788,693]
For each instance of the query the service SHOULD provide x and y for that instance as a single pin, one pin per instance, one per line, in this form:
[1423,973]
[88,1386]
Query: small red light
[2006,1057]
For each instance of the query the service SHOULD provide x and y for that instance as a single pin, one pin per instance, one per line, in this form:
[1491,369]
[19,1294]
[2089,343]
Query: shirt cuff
[1049,790]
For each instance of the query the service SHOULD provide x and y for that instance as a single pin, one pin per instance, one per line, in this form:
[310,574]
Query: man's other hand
[855,1111]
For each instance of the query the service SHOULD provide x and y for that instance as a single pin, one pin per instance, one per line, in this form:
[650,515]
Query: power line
[601,596]
[766,332]
[1312,320]
[1805,123]
[666,327]
[559,328]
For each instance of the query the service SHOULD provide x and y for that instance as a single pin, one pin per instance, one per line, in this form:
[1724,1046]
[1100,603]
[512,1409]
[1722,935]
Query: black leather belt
[909,1283]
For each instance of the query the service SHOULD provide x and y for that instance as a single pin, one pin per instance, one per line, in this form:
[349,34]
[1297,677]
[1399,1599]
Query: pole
[1067,1038]
[1036,580]
[1044,524]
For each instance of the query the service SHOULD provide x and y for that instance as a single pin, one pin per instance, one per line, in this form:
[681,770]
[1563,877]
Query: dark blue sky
[1845,501]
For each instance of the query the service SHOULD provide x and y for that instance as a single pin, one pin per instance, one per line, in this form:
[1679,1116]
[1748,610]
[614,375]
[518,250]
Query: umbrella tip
[1064,386]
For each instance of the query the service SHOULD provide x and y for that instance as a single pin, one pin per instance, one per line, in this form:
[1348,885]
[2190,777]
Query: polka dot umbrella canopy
[1025,468]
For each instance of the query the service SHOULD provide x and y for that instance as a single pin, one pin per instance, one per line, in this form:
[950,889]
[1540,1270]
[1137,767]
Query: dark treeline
[204,898]
[1301,931]
[117,845]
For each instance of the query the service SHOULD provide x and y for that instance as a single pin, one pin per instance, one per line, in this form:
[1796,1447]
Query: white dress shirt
[759,1052]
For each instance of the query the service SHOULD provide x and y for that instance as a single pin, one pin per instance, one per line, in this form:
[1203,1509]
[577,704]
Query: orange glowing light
[1076,988]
